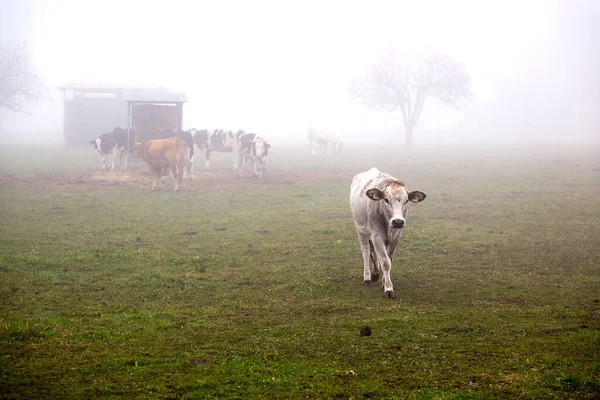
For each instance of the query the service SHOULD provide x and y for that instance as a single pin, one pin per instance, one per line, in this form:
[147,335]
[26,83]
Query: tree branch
[394,83]
[20,86]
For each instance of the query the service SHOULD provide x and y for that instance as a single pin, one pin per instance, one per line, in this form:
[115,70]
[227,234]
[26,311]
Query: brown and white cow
[159,153]
[379,205]
[188,136]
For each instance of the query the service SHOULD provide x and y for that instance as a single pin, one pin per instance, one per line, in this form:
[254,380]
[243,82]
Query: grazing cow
[189,140]
[209,140]
[112,145]
[254,148]
[379,204]
[323,140]
[158,153]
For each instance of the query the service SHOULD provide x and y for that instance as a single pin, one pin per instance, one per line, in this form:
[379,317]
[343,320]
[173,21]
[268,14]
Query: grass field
[237,288]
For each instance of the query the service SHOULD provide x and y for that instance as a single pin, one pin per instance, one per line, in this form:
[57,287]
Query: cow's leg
[391,247]
[241,163]
[376,268]
[386,266]
[207,159]
[190,168]
[365,250]
[236,159]
[263,167]
[156,173]
[259,168]
[178,174]
[112,160]
[124,165]
[104,162]
[118,157]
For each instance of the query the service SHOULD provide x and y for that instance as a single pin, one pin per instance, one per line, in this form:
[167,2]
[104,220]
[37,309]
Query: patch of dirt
[140,179]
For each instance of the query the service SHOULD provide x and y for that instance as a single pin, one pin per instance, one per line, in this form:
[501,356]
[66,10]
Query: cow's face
[394,201]
[260,148]
[228,138]
[97,143]
[138,149]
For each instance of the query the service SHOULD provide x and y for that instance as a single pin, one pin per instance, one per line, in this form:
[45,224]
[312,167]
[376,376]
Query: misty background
[277,68]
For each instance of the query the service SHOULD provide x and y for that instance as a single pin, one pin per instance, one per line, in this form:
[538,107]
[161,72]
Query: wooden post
[65,117]
[180,112]
[129,127]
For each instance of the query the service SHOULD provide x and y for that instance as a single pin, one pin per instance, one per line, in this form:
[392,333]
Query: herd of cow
[174,152]
[378,201]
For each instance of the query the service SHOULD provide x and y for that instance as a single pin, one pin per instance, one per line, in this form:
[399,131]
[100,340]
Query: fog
[279,67]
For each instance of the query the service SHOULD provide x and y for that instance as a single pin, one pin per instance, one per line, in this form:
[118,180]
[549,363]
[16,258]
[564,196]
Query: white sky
[270,65]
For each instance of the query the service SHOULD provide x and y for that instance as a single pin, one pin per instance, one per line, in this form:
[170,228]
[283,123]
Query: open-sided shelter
[149,111]
[93,109]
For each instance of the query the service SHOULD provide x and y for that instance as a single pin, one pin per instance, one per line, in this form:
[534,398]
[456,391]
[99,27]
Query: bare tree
[20,86]
[397,83]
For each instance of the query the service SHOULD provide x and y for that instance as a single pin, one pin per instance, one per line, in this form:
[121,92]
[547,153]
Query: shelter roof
[103,87]
[154,96]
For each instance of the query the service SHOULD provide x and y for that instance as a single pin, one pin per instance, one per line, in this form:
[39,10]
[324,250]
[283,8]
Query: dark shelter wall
[149,118]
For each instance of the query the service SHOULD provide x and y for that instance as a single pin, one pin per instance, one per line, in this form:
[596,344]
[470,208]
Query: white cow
[379,204]
[327,140]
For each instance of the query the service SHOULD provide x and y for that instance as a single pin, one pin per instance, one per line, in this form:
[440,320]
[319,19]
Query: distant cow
[112,146]
[188,137]
[319,139]
[252,147]
[222,140]
[158,153]
[379,204]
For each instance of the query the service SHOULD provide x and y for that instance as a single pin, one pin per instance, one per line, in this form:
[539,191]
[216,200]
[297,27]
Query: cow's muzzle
[397,223]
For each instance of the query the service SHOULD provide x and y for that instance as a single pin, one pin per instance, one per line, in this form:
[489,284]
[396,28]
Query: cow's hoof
[389,294]
[367,283]
[374,277]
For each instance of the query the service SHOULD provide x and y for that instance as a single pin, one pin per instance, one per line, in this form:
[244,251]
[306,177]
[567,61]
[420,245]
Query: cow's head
[138,149]
[260,148]
[394,199]
[166,132]
[228,138]
[97,143]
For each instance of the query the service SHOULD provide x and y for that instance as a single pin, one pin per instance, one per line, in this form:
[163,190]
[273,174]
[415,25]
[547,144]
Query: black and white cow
[188,137]
[251,147]
[222,140]
[379,205]
[112,146]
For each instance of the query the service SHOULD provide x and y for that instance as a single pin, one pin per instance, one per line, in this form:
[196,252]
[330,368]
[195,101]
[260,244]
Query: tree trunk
[409,135]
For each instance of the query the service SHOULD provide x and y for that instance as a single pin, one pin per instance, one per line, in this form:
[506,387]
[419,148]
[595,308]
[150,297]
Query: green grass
[235,288]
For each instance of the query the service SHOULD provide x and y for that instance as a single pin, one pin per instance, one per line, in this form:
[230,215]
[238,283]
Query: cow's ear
[374,194]
[416,196]
[92,142]
[268,145]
